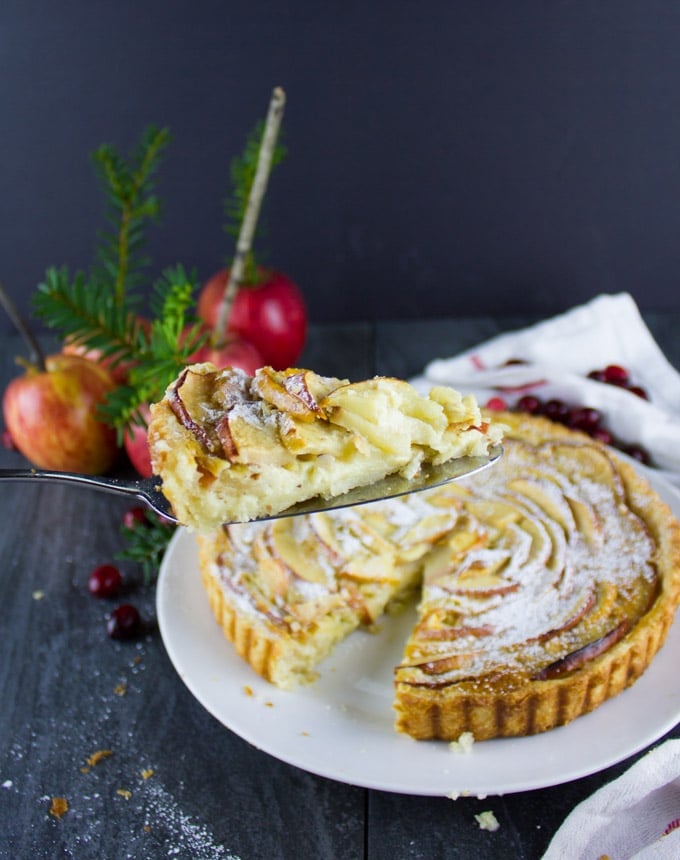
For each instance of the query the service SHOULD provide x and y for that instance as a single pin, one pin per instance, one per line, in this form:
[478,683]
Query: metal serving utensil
[149,490]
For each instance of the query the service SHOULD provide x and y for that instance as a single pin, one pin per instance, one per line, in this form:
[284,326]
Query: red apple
[235,353]
[52,418]
[270,314]
[119,371]
[137,447]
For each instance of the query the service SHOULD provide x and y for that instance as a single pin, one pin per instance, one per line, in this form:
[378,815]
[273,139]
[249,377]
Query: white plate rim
[342,729]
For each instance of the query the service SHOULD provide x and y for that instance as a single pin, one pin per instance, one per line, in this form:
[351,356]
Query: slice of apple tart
[232,448]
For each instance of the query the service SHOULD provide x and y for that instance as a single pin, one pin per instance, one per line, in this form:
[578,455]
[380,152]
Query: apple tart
[233,448]
[546,586]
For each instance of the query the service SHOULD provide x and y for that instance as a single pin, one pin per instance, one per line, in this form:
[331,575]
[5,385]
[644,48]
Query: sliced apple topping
[314,439]
[273,576]
[582,608]
[184,399]
[547,497]
[290,391]
[298,556]
[494,512]
[577,659]
[445,557]
[247,436]
[478,584]
[442,665]
[429,528]
[588,522]
[588,462]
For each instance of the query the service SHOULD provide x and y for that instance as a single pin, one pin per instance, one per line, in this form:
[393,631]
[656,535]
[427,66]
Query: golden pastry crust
[231,448]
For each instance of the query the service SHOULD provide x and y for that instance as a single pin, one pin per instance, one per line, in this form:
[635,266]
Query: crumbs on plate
[463,744]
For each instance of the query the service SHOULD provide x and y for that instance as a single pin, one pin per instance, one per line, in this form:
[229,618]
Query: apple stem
[249,223]
[37,356]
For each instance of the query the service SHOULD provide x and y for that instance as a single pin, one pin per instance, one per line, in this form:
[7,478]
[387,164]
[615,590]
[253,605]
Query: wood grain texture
[210,794]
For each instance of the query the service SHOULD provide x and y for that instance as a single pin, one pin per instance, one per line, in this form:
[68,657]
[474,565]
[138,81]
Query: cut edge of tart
[285,592]
[233,448]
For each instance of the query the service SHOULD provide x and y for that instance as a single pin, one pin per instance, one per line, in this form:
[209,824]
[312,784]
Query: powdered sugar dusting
[191,838]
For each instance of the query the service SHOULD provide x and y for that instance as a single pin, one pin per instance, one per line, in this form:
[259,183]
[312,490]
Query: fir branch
[146,543]
[86,313]
[131,204]
[161,350]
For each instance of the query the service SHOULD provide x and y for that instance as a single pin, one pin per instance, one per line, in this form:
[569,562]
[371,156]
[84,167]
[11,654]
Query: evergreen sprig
[99,311]
[242,173]
[146,543]
[160,350]
[84,311]
[131,204]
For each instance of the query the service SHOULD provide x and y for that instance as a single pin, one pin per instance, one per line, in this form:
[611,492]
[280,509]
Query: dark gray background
[445,157]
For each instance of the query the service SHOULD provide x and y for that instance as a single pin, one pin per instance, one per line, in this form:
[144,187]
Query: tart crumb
[124,792]
[98,756]
[58,807]
[487,821]
[463,744]
[147,773]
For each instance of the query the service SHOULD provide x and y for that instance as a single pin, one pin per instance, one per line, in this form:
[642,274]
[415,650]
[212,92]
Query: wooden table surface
[177,782]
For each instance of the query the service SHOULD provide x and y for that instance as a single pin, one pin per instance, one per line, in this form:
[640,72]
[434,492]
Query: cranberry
[614,374]
[104,581]
[556,410]
[597,375]
[7,441]
[602,435]
[511,361]
[497,404]
[134,517]
[529,403]
[124,622]
[584,418]
[639,391]
[637,452]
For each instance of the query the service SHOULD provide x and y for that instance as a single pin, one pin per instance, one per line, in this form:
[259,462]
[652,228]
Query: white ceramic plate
[341,726]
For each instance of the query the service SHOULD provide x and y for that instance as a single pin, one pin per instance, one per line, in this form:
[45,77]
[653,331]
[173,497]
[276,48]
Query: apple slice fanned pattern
[552,593]
[544,585]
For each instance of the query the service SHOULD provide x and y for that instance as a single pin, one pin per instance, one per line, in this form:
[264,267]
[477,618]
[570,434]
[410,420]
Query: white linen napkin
[634,816]
[560,352]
